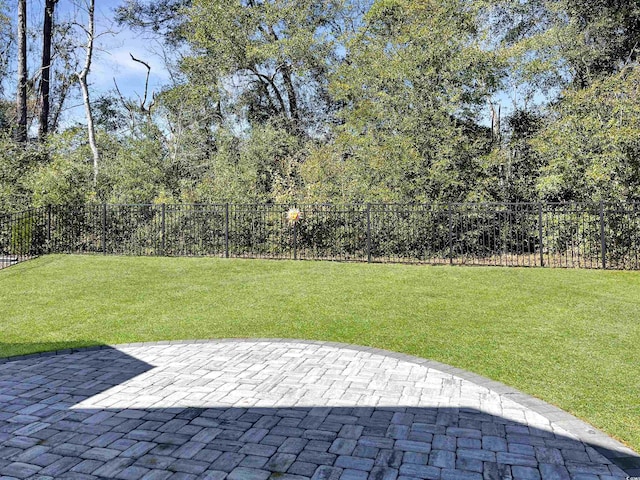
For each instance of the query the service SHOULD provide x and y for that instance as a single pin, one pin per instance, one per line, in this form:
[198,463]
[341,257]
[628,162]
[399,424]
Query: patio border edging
[620,455]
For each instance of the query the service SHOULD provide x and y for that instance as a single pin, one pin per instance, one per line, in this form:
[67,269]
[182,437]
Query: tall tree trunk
[285,70]
[21,104]
[291,94]
[46,68]
[82,77]
[61,97]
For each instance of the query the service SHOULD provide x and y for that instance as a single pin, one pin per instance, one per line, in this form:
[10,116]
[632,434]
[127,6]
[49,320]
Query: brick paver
[268,409]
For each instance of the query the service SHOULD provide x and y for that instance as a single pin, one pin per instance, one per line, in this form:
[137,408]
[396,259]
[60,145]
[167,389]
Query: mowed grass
[570,337]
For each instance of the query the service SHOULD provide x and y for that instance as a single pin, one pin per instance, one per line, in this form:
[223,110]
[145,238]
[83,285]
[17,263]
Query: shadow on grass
[46,432]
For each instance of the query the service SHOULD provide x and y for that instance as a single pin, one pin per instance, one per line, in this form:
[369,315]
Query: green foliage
[66,176]
[554,43]
[27,236]
[275,53]
[136,173]
[108,113]
[16,164]
[192,135]
[161,16]
[411,91]
[510,171]
[355,101]
[589,146]
[260,167]
[61,182]
[22,236]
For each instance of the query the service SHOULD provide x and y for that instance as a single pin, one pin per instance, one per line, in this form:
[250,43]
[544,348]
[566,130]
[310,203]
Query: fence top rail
[359,204]
[20,213]
[609,205]
[445,204]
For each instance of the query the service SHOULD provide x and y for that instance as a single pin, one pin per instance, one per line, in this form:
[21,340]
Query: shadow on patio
[49,429]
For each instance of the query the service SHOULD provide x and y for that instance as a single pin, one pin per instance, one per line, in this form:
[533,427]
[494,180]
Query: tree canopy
[333,101]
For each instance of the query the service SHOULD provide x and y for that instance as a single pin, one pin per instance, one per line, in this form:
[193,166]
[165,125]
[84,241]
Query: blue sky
[112,56]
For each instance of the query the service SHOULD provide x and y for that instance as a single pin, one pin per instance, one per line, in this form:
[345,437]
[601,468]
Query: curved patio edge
[616,452]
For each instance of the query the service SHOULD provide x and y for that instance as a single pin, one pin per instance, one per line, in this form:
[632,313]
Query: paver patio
[281,409]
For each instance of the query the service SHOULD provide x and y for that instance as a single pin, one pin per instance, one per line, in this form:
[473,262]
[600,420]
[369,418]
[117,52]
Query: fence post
[164,228]
[226,230]
[450,234]
[104,228]
[295,241]
[31,231]
[49,228]
[603,241]
[540,234]
[368,232]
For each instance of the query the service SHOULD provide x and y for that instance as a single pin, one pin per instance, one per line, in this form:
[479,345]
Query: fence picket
[588,235]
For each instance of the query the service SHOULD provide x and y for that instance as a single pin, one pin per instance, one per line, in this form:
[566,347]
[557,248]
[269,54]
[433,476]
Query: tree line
[328,101]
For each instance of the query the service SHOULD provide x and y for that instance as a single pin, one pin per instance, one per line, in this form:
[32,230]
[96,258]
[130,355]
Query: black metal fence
[23,236]
[587,235]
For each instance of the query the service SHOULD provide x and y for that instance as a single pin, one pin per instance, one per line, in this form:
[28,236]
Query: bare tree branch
[82,77]
[143,101]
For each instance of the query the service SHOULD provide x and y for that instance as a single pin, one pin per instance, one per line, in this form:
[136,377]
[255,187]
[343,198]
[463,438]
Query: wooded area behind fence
[594,235]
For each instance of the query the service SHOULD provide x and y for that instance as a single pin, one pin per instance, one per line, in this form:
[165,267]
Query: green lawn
[570,337]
